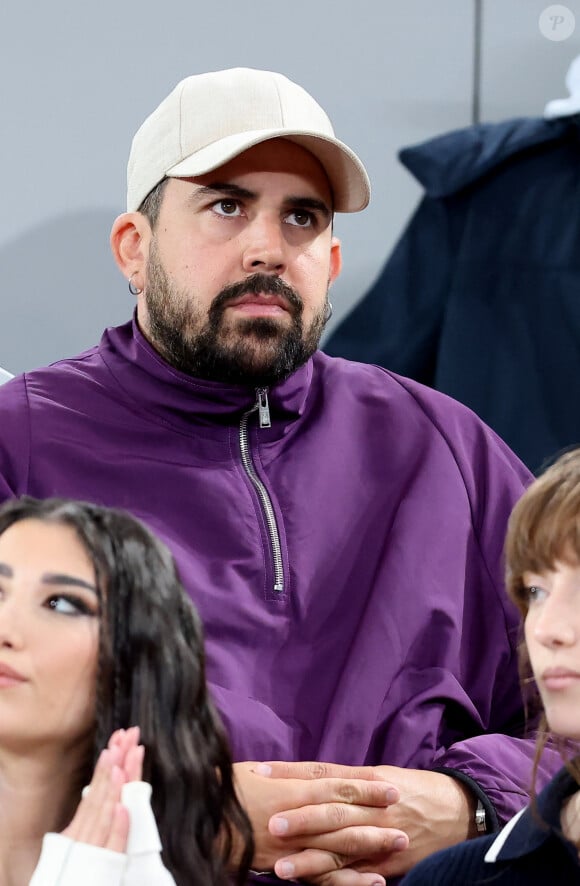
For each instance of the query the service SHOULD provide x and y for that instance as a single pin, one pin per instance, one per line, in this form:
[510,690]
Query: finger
[124,740]
[357,843]
[315,770]
[134,763]
[324,817]
[94,817]
[348,877]
[341,790]
[93,796]
[97,823]
[116,739]
[119,829]
[323,868]
[131,737]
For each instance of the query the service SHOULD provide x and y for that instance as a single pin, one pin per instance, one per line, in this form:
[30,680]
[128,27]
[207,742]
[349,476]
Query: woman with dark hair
[97,637]
[541,844]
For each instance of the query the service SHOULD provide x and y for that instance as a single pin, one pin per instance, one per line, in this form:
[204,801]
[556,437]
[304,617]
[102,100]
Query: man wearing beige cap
[339,528]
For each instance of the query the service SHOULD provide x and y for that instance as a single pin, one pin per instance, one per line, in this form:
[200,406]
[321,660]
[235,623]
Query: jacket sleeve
[500,757]
[398,322]
[14,438]
[64,862]
[501,767]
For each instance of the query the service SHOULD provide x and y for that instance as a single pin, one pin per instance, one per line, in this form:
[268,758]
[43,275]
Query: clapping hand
[101,819]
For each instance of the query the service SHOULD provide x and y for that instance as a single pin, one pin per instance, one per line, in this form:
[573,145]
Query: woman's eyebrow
[55,578]
[6,570]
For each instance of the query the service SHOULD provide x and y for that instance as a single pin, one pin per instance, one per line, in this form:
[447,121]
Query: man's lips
[559,678]
[260,303]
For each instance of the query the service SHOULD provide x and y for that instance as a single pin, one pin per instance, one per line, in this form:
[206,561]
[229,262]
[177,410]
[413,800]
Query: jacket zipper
[261,406]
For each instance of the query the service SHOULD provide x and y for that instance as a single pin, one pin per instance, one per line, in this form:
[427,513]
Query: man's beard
[257,351]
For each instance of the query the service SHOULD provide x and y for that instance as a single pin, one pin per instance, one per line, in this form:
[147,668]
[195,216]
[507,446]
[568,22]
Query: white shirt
[64,862]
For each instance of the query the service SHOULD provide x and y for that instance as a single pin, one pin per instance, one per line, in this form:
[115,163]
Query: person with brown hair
[541,843]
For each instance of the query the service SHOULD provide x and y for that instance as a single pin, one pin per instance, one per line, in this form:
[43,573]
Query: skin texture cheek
[44,634]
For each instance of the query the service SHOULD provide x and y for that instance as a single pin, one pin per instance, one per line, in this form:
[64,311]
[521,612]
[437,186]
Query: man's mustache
[263,283]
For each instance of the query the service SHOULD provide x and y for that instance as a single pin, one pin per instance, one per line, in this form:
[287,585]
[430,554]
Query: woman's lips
[559,678]
[10,677]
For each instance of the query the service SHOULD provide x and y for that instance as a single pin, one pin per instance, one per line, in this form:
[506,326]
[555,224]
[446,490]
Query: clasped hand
[335,825]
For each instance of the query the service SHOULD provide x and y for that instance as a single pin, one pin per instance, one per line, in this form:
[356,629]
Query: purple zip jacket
[345,559]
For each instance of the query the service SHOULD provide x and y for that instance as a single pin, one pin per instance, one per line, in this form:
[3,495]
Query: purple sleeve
[502,767]
[500,761]
[14,438]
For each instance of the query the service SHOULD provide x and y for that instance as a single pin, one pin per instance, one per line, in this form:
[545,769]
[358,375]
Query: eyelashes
[68,604]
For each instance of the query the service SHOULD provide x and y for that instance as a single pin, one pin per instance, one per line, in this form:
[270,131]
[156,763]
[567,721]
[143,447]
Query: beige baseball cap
[210,118]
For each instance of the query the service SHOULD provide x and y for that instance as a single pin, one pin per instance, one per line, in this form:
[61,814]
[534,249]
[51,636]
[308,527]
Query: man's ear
[130,241]
[335,260]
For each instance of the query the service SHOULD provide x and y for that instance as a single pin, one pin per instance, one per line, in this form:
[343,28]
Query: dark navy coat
[530,850]
[481,296]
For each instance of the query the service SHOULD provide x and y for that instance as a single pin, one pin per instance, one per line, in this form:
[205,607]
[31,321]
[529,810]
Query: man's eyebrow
[313,203]
[55,578]
[216,188]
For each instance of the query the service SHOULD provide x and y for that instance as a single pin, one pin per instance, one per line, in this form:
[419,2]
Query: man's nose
[265,246]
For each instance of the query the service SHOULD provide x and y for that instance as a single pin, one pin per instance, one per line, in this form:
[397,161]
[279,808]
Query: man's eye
[68,605]
[226,207]
[300,218]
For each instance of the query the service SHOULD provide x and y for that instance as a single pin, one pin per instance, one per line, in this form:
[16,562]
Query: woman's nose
[555,624]
[11,627]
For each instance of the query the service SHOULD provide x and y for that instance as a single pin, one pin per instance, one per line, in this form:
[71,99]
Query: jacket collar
[182,400]
[530,828]
[448,163]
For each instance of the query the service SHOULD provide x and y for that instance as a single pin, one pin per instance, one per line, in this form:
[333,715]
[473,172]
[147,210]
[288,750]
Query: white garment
[564,107]
[64,862]
[5,376]
[495,848]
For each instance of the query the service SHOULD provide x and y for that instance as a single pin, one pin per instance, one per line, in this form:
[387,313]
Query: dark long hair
[152,674]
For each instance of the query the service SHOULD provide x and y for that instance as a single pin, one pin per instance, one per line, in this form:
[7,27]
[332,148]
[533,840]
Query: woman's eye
[534,593]
[227,207]
[66,605]
[300,218]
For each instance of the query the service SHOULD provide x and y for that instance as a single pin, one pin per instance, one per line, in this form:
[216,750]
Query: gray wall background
[78,79]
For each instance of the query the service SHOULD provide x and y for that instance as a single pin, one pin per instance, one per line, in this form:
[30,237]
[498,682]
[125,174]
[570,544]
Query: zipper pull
[263,407]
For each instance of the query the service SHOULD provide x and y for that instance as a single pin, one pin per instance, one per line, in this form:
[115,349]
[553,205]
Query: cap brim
[347,176]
